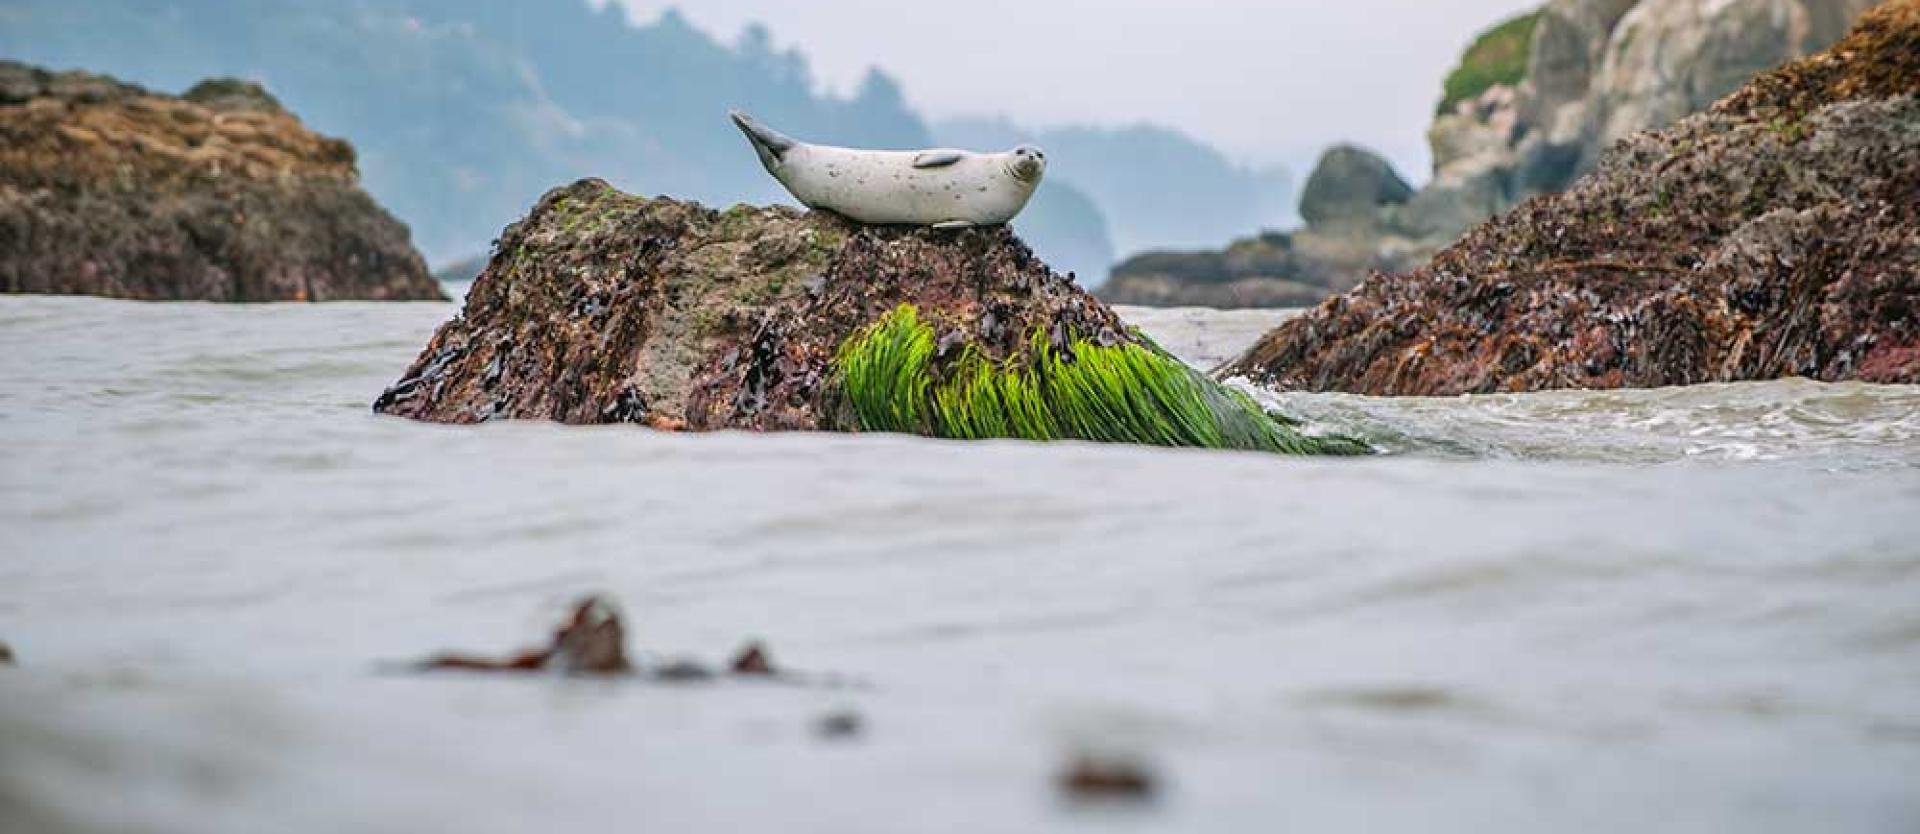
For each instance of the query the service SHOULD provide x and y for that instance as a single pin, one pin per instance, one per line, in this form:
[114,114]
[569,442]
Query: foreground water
[1690,609]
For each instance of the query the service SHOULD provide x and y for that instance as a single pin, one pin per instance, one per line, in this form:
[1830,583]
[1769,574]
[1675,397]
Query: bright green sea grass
[1124,393]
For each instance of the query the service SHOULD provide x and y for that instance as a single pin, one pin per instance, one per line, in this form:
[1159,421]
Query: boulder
[603,307]
[1348,186]
[1777,234]
[220,195]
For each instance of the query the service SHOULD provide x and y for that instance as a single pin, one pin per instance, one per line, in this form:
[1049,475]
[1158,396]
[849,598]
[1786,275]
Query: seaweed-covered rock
[1777,234]
[219,195]
[603,307]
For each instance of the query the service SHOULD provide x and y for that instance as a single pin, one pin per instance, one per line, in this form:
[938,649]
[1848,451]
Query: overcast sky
[1264,80]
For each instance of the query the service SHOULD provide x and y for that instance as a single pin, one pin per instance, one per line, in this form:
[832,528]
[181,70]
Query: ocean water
[1688,609]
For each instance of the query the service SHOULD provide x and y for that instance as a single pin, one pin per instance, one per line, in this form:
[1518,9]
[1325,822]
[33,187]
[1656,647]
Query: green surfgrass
[1126,393]
[1497,56]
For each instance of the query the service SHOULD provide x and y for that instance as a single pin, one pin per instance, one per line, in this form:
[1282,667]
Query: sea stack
[218,195]
[604,307]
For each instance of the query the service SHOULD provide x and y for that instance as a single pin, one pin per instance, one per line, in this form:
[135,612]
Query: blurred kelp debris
[1096,778]
[752,660]
[6,655]
[591,642]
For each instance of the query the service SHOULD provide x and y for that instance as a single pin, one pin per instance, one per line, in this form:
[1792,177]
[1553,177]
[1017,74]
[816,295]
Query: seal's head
[1026,163]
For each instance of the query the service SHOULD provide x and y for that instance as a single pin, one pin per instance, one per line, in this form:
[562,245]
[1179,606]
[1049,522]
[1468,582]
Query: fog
[1267,81]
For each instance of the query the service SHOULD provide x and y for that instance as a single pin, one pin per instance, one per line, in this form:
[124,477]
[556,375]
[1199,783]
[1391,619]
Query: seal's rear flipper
[771,145]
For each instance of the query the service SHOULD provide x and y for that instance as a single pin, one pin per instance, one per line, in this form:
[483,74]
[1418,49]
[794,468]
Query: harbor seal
[942,188]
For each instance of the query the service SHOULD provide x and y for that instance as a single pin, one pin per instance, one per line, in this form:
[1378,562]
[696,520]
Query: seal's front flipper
[935,159]
[953,224]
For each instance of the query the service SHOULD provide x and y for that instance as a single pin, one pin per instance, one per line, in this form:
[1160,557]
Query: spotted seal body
[942,188]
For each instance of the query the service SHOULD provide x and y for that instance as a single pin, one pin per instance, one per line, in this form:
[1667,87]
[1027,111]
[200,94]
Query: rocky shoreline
[217,195]
[1776,235]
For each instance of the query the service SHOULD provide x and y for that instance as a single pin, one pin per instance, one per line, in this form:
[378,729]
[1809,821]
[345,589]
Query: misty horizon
[1391,73]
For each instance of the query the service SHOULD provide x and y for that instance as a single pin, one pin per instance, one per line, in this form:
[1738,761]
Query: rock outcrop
[1777,234]
[218,195]
[1533,104]
[602,307]
[1246,274]
[1348,201]
[1598,72]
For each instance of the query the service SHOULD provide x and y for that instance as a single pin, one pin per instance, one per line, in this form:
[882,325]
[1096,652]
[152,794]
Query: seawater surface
[1686,609]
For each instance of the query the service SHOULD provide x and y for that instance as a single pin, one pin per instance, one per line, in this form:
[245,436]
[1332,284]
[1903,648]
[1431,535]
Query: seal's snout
[1029,162]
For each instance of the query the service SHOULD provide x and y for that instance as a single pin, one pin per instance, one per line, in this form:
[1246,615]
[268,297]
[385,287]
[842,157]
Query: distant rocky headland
[604,307]
[1532,106]
[1777,234]
[217,195]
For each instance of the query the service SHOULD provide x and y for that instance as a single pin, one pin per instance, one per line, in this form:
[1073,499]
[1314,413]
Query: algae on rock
[604,307]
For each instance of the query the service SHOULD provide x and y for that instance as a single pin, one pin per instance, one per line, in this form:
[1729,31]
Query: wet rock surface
[604,307]
[218,195]
[1776,235]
